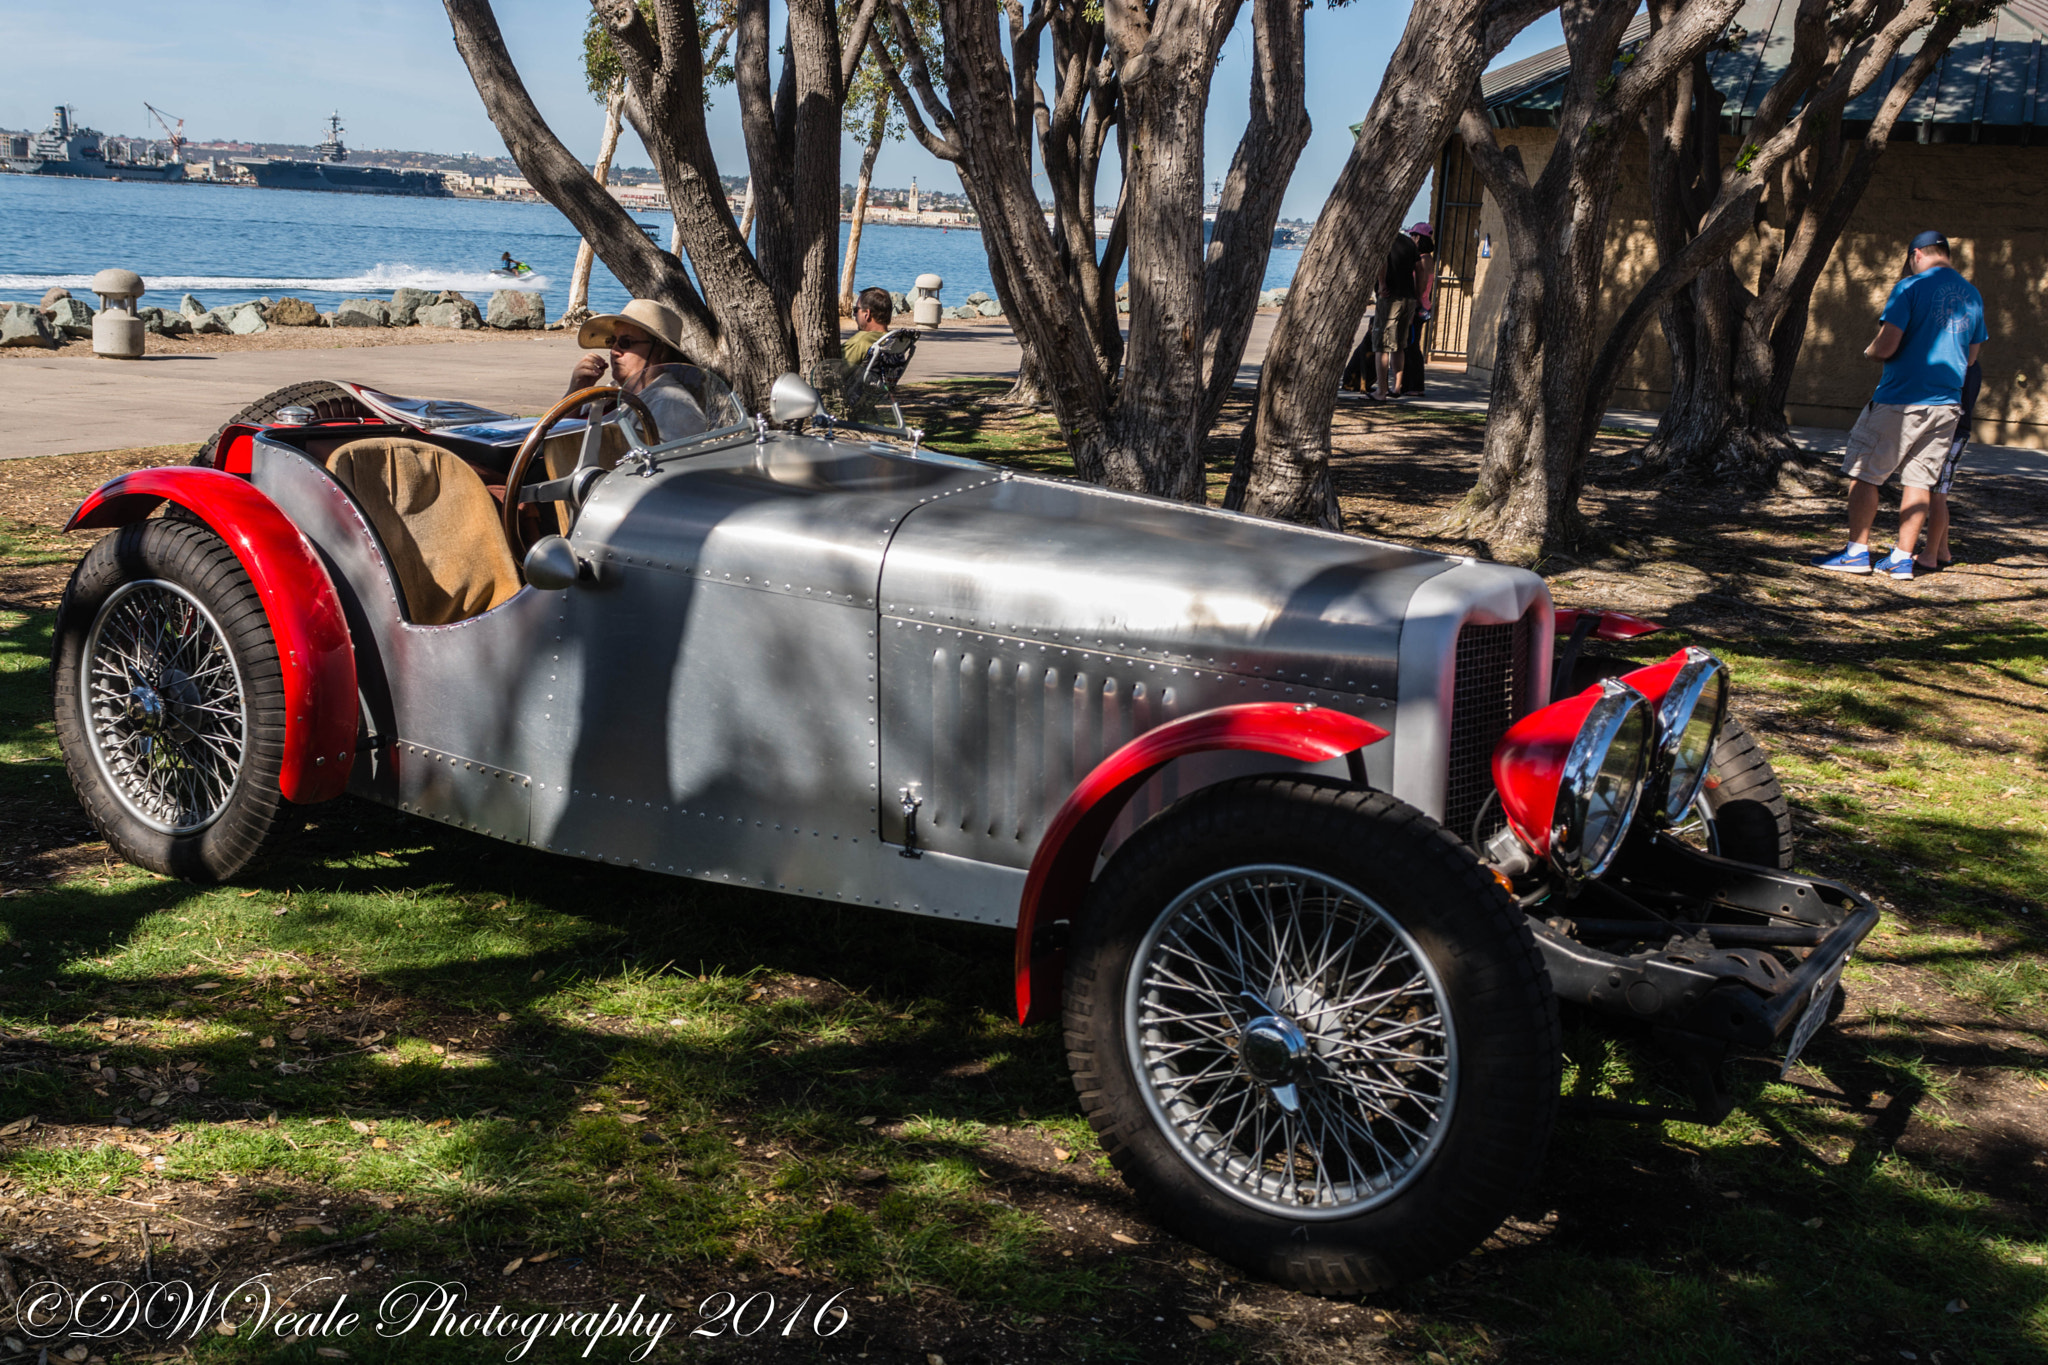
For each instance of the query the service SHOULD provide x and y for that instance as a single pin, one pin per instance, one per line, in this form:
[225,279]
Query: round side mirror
[791,400]
[551,564]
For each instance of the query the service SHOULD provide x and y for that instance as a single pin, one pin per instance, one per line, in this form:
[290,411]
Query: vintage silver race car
[1290,829]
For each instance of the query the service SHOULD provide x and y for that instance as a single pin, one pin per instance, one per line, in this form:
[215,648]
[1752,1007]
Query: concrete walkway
[62,406]
[65,405]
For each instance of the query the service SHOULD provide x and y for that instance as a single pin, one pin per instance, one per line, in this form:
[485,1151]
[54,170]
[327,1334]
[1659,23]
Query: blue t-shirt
[1942,316]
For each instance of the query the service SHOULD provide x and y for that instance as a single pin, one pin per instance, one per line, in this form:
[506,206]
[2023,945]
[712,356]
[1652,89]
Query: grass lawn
[401,1052]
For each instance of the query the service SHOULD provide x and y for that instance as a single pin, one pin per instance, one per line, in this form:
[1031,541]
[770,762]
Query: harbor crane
[176,136]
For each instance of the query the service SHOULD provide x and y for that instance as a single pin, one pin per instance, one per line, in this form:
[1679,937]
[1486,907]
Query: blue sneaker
[1847,561]
[1897,564]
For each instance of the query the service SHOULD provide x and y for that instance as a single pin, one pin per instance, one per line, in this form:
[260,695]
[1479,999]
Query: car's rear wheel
[1312,1033]
[328,401]
[169,701]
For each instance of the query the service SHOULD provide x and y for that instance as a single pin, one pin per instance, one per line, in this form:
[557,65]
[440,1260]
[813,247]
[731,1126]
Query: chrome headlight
[1570,776]
[1689,693]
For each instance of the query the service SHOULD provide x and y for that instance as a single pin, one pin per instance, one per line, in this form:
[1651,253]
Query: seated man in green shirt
[871,313]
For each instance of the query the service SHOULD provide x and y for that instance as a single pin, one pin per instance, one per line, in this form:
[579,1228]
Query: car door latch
[911,801]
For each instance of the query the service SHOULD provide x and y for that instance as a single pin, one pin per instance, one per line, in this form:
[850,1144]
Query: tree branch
[944,148]
[643,268]
[855,41]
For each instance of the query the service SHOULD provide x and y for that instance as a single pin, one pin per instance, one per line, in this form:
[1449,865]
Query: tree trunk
[860,203]
[1283,459]
[643,268]
[1151,444]
[579,283]
[747,209]
[1242,242]
[1734,350]
[814,168]
[983,141]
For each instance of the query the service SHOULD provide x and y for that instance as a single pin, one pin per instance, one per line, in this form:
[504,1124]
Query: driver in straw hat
[640,342]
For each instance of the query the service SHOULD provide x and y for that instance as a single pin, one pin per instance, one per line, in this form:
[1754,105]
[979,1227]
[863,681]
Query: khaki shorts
[1912,442]
[1391,321]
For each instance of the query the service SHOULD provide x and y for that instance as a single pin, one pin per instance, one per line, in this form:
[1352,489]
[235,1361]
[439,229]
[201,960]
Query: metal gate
[1458,201]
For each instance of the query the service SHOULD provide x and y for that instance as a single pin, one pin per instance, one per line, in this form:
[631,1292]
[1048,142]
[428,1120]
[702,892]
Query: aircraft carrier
[68,148]
[329,171]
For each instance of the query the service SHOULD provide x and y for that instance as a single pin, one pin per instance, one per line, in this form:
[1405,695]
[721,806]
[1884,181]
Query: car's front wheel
[169,701]
[1312,1033]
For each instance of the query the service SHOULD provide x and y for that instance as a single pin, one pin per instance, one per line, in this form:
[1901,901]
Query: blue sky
[270,72]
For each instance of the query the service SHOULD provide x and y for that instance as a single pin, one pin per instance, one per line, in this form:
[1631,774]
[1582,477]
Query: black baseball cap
[1930,238]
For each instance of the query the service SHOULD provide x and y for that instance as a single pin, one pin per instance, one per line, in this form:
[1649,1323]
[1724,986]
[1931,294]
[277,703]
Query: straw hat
[658,320]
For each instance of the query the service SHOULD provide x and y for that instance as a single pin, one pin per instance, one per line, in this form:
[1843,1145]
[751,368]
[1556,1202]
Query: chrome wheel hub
[164,705]
[1292,1041]
[1274,1050]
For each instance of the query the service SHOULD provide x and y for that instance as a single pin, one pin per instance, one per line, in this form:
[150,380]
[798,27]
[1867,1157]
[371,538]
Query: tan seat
[559,454]
[438,522]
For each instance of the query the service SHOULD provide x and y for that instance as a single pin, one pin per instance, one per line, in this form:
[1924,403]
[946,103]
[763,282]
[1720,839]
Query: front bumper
[1712,950]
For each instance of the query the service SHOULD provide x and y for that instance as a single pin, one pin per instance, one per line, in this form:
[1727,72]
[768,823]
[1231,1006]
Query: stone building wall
[1991,202]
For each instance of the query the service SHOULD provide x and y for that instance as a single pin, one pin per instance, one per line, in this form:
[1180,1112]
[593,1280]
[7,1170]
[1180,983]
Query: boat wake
[378,279]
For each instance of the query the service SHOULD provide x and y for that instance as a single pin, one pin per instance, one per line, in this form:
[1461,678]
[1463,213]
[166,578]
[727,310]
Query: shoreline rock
[291,312]
[516,310]
[406,303]
[23,324]
[68,317]
[457,313]
[362,313]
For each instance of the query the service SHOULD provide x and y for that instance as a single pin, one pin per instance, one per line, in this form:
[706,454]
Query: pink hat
[1422,230]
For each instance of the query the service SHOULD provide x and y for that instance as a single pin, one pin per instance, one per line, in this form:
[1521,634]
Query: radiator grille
[1492,672]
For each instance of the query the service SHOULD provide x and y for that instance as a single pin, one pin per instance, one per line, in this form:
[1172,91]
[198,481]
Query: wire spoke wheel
[1312,1032]
[170,702]
[1292,1041]
[168,721]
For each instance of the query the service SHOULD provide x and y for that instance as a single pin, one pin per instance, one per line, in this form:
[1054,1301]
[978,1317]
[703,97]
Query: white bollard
[116,331]
[924,302]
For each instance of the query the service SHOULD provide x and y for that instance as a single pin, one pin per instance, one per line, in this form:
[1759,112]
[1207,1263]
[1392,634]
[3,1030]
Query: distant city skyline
[236,70]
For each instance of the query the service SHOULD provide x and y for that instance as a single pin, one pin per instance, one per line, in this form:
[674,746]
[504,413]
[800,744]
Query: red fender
[314,653]
[1613,625]
[1065,861]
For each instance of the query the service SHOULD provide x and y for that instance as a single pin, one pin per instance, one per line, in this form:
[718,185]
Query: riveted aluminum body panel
[795,516]
[778,638]
[990,733]
[1061,563]
[705,707]
[1029,628]
[464,792]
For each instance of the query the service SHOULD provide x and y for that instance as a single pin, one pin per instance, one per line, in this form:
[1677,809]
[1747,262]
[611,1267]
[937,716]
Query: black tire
[329,402]
[1745,813]
[1741,811]
[175,753]
[1464,1113]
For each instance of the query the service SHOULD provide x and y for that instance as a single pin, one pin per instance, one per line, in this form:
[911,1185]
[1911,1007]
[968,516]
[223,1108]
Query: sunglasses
[619,343]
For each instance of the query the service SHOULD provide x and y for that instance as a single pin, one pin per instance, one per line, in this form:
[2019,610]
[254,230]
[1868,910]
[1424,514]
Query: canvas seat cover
[438,522]
[559,454]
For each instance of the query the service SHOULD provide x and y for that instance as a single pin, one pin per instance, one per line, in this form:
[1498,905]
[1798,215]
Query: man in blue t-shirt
[1928,337]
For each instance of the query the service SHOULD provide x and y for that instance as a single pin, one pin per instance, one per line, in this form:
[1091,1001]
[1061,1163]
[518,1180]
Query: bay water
[227,243]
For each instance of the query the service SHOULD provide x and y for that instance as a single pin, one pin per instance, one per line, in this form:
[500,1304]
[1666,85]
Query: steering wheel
[517,474]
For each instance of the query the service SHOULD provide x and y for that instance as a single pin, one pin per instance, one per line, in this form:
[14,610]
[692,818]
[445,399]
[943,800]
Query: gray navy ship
[67,148]
[329,171]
